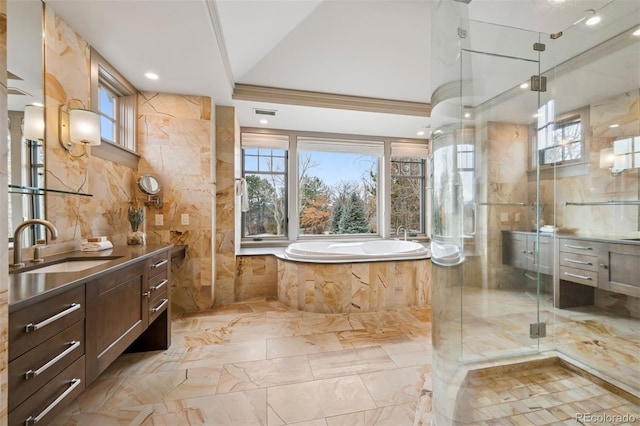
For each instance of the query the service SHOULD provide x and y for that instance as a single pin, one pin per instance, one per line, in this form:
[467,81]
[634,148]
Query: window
[304,185]
[264,161]
[114,99]
[626,153]
[559,142]
[338,186]
[407,190]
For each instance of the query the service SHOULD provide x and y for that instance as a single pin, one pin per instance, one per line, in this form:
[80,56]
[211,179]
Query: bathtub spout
[402,228]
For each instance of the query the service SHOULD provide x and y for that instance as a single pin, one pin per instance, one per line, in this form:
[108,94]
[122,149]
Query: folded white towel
[97,246]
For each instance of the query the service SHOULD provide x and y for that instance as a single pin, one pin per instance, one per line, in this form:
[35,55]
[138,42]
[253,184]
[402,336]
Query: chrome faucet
[17,246]
[402,228]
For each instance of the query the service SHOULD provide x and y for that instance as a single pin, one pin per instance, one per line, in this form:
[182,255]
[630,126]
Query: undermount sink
[68,266]
[65,266]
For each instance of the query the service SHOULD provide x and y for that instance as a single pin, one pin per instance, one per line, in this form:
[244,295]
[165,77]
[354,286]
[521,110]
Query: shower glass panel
[486,190]
[596,198]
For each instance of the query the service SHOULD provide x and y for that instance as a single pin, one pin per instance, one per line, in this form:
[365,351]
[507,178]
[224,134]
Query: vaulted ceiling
[374,49]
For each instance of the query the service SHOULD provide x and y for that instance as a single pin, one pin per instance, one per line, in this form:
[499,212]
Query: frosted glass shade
[606,158]
[84,127]
[33,123]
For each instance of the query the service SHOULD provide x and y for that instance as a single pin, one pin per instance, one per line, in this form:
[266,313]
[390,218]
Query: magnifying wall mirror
[150,186]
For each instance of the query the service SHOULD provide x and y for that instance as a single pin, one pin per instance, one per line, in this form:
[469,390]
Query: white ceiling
[378,48]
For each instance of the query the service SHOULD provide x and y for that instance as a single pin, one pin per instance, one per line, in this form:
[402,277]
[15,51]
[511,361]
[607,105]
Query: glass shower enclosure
[523,124]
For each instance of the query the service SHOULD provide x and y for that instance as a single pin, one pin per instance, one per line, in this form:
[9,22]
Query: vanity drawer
[157,284]
[46,403]
[158,264]
[579,261]
[34,369]
[579,276]
[29,327]
[578,246]
[158,305]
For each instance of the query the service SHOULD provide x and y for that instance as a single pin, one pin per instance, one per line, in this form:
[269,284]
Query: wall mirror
[25,84]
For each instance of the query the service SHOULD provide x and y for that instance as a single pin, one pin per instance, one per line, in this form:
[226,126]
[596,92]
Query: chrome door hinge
[537,330]
[538,83]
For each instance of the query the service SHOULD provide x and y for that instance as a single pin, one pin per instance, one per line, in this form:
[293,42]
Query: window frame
[422,178]
[124,149]
[292,190]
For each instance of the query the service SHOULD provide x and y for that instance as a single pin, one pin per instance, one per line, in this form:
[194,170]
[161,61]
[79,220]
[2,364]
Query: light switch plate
[504,217]
[184,219]
[159,220]
[517,217]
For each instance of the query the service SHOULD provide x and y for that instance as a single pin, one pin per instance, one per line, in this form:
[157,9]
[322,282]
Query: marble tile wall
[256,276]
[501,164]
[67,76]
[4,255]
[224,258]
[174,142]
[354,287]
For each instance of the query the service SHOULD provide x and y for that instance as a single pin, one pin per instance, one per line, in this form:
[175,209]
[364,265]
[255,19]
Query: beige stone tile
[318,399]
[350,361]
[393,387]
[302,345]
[261,374]
[232,409]
[396,415]
[198,382]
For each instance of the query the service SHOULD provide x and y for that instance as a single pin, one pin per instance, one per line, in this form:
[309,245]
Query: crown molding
[248,92]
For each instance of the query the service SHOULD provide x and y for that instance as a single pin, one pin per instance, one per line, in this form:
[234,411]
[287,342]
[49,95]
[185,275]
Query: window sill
[559,171]
[116,153]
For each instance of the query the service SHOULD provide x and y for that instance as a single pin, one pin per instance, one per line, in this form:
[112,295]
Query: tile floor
[260,363]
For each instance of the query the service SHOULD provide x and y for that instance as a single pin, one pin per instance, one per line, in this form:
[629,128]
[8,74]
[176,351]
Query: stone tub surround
[354,287]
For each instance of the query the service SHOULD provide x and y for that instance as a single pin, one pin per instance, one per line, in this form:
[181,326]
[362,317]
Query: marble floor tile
[319,398]
[392,387]
[401,414]
[262,374]
[350,361]
[279,347]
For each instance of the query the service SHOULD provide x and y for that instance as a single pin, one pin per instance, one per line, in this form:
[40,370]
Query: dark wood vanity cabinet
[584,265]
[59,345]
[519,249]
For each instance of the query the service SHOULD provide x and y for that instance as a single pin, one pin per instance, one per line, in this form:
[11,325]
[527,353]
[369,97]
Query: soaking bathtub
[349,252]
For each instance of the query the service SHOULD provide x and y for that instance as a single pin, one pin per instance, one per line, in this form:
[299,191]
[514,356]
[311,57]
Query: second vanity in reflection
[66,328]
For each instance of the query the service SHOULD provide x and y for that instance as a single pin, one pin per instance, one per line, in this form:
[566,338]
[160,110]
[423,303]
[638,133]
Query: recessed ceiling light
[536,115]
[264,121]
[38,104]
[613,126]
[524,85]
[151,75]
[637,32]
[467,114]
[594,20]
[420,133]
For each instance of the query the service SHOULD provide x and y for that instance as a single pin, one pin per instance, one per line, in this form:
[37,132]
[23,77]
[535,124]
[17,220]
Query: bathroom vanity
[586,263]
[65,328]
[519,250]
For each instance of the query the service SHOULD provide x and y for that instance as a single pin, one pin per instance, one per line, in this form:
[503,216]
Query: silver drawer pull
[159,264]
[582,277]
[31,373]
[33,327]
[74,383]
[578,247]
[160,306]
[157,287]
[579,262]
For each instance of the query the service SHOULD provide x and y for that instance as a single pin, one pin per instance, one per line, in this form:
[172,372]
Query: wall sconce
[78,126]
[33,123]
[608,161]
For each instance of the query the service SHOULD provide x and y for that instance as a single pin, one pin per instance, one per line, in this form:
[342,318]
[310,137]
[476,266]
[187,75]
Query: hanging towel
[242,192]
